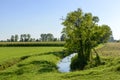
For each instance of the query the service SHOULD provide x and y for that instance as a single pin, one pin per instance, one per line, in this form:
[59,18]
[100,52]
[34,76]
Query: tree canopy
[83,34]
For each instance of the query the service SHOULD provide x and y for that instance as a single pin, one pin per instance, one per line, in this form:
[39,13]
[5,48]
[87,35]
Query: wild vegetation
[39,63]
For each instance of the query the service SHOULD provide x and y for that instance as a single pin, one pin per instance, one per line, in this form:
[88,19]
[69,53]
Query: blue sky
[43,16]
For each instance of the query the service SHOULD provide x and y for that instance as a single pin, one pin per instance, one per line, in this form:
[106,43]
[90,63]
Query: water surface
[64,64]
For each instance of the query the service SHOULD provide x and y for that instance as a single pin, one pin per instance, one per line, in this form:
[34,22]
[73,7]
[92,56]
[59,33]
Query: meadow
[39,63]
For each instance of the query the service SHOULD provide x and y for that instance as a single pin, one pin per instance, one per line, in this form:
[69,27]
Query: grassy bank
[41,64]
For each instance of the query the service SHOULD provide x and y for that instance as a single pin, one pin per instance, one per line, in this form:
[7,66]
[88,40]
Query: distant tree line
[45,37]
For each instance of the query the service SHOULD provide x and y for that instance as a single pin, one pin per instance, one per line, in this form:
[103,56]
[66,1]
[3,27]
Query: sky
[43,16]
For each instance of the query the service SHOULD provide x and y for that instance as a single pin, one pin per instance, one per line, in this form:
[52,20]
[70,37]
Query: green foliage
[47,37]
[94,63]
[83,34]
[25,37]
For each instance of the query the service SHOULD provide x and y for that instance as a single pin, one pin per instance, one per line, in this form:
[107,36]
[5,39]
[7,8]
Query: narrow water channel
[64,64]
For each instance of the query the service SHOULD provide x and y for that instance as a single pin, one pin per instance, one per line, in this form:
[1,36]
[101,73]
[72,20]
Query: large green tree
[83,34]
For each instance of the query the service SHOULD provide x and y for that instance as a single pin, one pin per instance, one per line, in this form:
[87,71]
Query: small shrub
[75,63]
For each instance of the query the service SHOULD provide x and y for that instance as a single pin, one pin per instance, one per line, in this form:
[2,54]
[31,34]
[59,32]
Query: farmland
[29,44]
[39,63]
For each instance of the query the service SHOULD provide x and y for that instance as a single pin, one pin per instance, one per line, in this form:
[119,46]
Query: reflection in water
[64,64]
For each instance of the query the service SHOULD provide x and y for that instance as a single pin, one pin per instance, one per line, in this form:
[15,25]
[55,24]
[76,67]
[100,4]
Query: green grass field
[39,63]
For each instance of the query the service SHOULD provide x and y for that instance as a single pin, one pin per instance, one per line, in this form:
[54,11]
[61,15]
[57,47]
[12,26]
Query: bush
[76,62]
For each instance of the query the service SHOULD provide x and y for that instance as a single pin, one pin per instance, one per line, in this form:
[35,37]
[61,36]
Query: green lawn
[41,64]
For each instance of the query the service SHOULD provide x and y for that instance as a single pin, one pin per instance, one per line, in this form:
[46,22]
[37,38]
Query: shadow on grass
[19,72]
[43,67]
[6,73]
[46,66]
[11,62]
[59,54]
